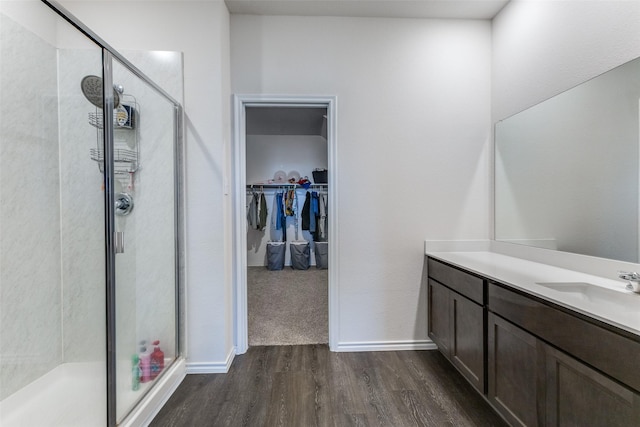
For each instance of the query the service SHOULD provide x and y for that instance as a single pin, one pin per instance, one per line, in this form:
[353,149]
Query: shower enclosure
[90,224]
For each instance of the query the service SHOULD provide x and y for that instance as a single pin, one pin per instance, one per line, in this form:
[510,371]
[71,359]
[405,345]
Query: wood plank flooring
[308,385]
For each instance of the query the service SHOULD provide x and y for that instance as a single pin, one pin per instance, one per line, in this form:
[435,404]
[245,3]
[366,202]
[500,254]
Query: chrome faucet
[633,278]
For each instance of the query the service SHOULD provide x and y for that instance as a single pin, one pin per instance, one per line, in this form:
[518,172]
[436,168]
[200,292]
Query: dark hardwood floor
[308,385]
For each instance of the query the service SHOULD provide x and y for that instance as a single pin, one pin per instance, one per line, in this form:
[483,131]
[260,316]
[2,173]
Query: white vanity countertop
[622,309]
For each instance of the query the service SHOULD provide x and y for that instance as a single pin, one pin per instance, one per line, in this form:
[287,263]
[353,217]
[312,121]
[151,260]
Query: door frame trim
[240,102]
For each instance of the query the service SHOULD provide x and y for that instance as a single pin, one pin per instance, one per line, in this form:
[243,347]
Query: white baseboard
[385,346]
[212,367]
[223,367]
[149,407]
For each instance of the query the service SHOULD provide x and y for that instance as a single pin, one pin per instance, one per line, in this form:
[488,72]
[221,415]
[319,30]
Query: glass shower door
[52,253]
[146,237]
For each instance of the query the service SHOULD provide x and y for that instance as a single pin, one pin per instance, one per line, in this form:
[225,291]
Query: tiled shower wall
[30,272]
[82,214]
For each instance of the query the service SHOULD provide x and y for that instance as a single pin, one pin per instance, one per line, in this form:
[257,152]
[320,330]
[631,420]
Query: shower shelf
[125,161]
[126,153]
[119,154]
[121,121]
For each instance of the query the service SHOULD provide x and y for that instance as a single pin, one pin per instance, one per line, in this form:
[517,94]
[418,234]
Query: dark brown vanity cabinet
[457,319]
[533,380]
[514,370]
[439,318]
[467,345]
[538,364]
[578,395]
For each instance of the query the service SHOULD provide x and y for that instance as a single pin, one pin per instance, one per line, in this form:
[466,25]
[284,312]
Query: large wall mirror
[566,170]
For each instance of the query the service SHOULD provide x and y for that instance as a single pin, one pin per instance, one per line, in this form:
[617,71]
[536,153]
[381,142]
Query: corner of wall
[212,367]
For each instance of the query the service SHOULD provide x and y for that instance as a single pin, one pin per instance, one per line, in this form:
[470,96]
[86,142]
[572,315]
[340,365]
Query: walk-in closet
[287,225]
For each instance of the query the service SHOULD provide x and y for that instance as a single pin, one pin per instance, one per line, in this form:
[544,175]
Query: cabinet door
[439,319]
[514,365]
[467,339]
[578,395]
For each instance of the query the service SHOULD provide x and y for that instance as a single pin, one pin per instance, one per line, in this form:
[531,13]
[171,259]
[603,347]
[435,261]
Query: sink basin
[590,293]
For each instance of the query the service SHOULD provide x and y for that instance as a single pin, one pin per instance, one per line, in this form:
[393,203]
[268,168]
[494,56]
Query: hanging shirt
[252,212]
[290,198]
[322,222]
[278,218]
[262,217]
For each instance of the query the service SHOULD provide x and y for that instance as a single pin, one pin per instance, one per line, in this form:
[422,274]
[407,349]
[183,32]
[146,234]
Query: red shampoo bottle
[157,360]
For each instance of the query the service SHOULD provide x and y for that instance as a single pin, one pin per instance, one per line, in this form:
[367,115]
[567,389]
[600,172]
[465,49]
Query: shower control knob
[124,204]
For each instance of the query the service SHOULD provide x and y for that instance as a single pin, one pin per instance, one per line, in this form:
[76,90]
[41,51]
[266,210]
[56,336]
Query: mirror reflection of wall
[567,175]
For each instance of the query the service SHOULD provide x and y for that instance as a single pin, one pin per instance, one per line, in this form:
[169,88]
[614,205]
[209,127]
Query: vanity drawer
[614,354]
[460,281]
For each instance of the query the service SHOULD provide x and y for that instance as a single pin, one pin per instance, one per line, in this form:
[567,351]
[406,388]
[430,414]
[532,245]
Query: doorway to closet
[284,220]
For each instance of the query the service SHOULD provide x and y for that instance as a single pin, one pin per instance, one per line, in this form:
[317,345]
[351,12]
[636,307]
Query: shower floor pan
[70,395]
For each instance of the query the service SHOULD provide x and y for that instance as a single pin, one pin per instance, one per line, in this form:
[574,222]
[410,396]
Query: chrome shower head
[92,89]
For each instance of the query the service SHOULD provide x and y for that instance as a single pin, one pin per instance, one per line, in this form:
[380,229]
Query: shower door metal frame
[109,233]
[108,55]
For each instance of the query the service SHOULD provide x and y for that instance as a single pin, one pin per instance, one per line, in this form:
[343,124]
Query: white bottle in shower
[145,362]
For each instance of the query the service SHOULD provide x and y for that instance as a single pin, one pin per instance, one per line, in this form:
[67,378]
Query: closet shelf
[287,185]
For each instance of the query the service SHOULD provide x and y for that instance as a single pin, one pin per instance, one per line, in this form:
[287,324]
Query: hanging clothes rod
[287,185]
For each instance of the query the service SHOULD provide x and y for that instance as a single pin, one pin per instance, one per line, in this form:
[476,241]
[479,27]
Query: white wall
[267,154]
[541,48]
[413,129]
[199,29]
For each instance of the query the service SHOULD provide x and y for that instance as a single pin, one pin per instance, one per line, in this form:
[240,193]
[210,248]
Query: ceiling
[443,9]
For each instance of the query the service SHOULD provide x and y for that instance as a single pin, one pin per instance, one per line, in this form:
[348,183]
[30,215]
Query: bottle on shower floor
[157,360]
[145,363]
[135,372]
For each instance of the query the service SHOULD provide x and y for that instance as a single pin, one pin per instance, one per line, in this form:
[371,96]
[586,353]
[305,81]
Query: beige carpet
[287,307]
